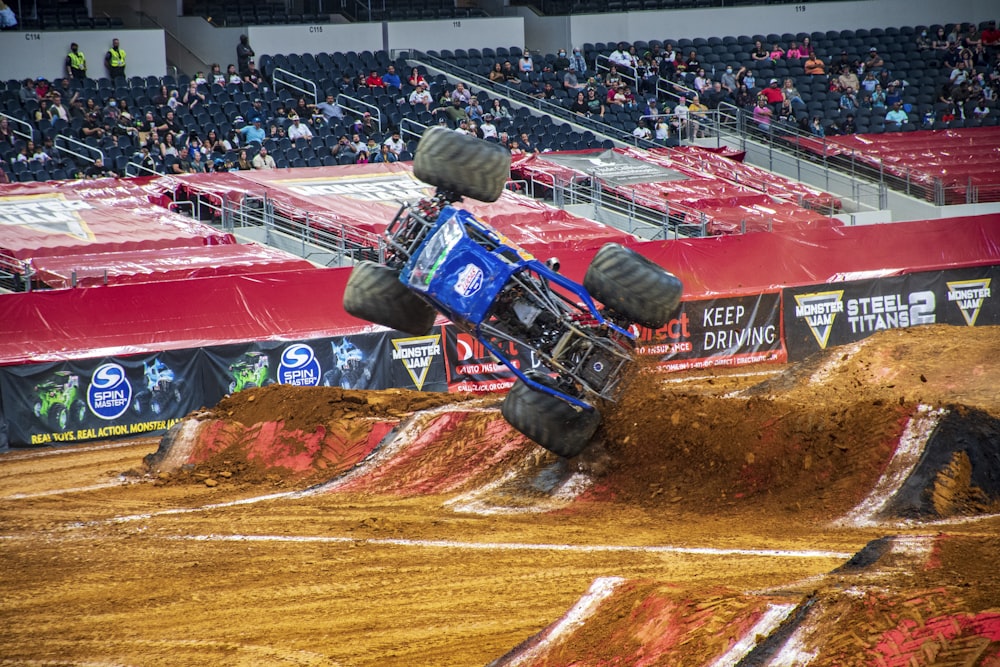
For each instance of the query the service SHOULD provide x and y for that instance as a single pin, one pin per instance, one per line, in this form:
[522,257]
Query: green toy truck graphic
[59,401]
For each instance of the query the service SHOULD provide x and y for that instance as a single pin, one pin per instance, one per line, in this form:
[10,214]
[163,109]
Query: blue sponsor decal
[299,366]
[110,392]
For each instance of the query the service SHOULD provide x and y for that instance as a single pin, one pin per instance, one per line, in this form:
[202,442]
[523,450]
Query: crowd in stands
[240,118]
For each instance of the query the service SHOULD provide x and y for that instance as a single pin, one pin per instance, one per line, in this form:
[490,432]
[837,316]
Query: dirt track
[708,508]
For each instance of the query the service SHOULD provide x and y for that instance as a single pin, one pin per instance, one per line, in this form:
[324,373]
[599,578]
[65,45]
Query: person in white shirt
[395,144]
[262,160]
[421,95]
[299,130]
[487,127]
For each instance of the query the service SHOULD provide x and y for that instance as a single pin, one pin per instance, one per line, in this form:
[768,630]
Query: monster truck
[440,258]
[349,370]
[160,388]
[59,399]
[250,371]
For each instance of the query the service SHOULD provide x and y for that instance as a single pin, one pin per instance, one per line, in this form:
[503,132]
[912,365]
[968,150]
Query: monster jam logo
[48,214]
[299,366]
[969,295]
[110,392]
[819,310]
[470,280]
[417,354]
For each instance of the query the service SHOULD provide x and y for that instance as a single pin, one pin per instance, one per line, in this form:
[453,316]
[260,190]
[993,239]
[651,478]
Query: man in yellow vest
[76,62]
[115,60]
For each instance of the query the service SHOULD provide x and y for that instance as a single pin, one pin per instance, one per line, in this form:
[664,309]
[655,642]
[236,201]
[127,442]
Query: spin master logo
[299,366]
[969,295]
[819,310]
[417,353]
[110,392]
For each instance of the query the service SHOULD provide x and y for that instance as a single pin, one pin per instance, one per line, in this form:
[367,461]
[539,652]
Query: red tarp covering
[131,318]
[698,179]
[105,215]
[146,317]
[114,268]
[367,197]
[957,157]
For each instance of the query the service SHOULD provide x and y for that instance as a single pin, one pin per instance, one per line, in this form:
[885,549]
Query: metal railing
[28,135]
[285,78]
[363,106]
[87,157]
[411,128]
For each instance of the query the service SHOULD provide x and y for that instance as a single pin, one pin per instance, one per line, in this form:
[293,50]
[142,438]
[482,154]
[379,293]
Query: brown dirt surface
[710,496]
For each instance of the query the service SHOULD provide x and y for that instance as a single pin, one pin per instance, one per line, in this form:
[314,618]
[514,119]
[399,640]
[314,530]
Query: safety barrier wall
[100,398]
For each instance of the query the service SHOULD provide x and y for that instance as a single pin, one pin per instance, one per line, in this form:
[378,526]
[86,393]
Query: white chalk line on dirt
[515,546]
[600,589]
[60,492]
[27,456]
[769,621]
[901,465]
[698,378]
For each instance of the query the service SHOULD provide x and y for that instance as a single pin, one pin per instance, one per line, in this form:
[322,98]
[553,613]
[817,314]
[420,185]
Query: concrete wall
[35,54]
[455,34]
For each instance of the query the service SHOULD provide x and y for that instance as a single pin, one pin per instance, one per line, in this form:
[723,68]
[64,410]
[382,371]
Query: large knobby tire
[374,293]
[462,164]
[633,286]
[558,426]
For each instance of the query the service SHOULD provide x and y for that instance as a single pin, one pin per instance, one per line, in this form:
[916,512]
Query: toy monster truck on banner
[819,317]
[63,403]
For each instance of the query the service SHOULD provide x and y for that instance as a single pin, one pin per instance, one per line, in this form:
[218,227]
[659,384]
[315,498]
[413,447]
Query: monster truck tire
[374,293]
[633,286]
[462,164]
[558,426]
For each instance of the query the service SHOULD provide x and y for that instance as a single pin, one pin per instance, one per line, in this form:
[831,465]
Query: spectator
[496,74]
[474,110]
[7,136]
[252,76]
[244,54]
[642,131]
[578,63]
[696,116]
[343,151]
[848,79]
[762,113]
[795,52]
[896,115]
[7,18]
[303,110]
[849,126]
[525,65]
[716,95]
[759,52]
[579,105]
[244,163]
[233,75]
[487,128]
[874,61]
[510,74]
[561,62]
[681,116]
[595,105]
[98,170]
[499,111]
[526,144]
[114,60]
[330,109]
[390,79]
[814,66]
[772,93]
[169,146]
[373,80]
[145,159]
[182,163]
[570,81]
[661,130]
[461,94]
[940,40]
[216,77]
[262,160]
[395,143]
[92,127]
[848,100]
[299,130]
[421,95]
[363,156]
[728,80]
[192,96]
[76,62]
[981,110]
[26,92]
[701,81]
[41,87]
[58,109]
[619,57]
[547,92]
[924,43]
[878,100]
[416,78]
[816,127]
[776,53]
[385,155]
[253,133]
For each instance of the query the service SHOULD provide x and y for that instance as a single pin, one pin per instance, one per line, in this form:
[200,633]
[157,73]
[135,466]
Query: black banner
[718,332]
[819,317]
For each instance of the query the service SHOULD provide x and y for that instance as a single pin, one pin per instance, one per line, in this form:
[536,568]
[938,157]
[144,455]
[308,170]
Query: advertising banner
[719,332]
[819,317]
[471,368]
[68,402]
